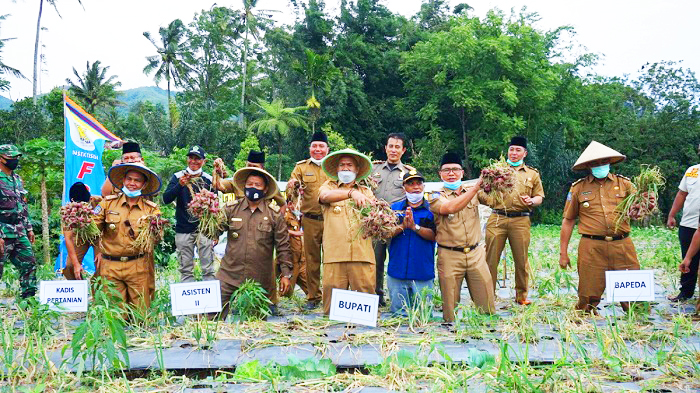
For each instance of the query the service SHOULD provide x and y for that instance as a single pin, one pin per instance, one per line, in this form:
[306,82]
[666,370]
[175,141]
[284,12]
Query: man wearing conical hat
[255,231]
[256,159]
[348,259]
[131,154]
[460,257]
[604,246]
[117,217]
[510,218]
[309,175]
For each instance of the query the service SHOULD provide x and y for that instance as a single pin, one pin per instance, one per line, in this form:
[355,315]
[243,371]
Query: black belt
[12,220]
[317,217]
[460,249]
[606,238]
[511,214]
[122,259]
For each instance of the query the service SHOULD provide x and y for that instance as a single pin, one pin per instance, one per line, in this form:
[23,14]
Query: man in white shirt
[687,198]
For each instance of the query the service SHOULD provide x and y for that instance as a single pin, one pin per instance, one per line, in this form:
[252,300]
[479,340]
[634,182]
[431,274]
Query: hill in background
[129,97]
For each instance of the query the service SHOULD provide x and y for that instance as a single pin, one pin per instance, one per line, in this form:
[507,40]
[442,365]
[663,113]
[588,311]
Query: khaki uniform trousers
[313,238]
[298,272]
[453,267]
[132,279]
[595,257]
[227,291]
[517,231]
[356,276]
[80,251]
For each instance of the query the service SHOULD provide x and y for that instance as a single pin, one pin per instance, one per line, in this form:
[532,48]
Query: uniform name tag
[354,307]
[236,219]
[629,285]
[65,296]
[195,297]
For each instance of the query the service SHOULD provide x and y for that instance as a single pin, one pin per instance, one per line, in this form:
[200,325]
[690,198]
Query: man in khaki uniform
[256,159]
[510,219]
[131,154]
[256,230]
[76,252]
[593,200]
[296,244]
[117,217]
[460,257]
[309,174]
[389,178]
[348,259]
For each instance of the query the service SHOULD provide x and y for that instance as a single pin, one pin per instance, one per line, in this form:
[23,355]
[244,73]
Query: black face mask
[12,163]
[253,193]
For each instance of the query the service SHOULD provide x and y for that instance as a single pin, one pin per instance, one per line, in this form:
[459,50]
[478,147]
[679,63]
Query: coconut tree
[94,89]
[169,63]
[4,68]
[319,71]
[35,80]
[276,119]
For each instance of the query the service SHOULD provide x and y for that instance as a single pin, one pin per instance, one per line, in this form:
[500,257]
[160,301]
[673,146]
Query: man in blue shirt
[412,249]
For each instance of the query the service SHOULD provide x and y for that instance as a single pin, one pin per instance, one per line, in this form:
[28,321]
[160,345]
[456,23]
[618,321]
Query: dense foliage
[446,78]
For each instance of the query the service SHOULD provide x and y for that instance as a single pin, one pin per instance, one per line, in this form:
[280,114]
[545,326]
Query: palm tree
[169,63]
[94,89]
[36,44]
[278,120]
[4,68]
[251,27]
[319,71]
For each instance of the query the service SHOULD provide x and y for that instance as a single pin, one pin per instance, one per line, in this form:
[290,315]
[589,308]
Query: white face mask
[315,161]
[414,198]
[191,172]
[346,177]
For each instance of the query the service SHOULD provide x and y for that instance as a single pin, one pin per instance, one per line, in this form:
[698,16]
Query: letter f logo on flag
[85,169]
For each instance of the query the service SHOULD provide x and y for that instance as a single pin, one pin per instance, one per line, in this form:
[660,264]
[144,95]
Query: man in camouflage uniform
[16,233]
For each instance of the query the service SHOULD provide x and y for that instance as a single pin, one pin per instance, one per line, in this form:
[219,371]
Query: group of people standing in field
[309,242]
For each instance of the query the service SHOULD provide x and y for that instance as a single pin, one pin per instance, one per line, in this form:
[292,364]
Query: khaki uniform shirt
[253,236]
[342,241]
[389,181]
[461,229]
[119,223]
[227,187]
[594,202]
[312,177]
[528,182]
[293,224]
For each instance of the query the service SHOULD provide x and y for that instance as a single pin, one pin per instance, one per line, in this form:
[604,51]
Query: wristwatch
[417,228]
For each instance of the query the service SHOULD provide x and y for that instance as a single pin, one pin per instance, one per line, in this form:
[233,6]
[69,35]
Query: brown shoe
[523,302]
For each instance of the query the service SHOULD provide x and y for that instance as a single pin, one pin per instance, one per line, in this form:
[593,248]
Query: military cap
[9,150]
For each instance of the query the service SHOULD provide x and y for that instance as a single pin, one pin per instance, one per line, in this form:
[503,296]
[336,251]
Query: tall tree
[4,68]
[278,120]
[169,63]
[319,71]
[35,80]
[94,89]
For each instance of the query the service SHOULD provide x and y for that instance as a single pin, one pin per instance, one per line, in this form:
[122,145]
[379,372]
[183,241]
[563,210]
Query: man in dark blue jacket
[412,249]
[183,185]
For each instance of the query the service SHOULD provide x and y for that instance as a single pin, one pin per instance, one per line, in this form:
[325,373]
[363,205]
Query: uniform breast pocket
[112,222]
[691,183]
[8,200]
[528,185]
[310,178]
[398,184]
[264,231]
[234,229]
[585,199]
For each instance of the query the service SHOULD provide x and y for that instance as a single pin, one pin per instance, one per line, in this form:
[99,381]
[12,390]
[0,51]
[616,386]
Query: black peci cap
[257,157]
[519,141]
[79,193]
[450,158]
[131,147]
[319,136]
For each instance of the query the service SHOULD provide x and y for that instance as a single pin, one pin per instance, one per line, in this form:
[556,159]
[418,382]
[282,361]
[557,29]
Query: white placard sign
[195,297]
[629,285]
[65,296]
[354,307]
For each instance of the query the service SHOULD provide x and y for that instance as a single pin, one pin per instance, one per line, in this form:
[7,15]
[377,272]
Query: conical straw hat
[331,161]
[597,151]
[117,174]
[241,175]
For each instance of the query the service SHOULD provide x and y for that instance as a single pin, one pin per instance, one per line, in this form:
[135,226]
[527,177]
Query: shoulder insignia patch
[577,181]
[568,196]
[534,169]
[273,205]
[377,162]
[111,197]
[97,209]
[624,177]
[150,203]
[433,195]
[409,167]
[301,162]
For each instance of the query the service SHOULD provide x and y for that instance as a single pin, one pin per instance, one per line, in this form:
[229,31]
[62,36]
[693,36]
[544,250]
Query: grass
[649,347]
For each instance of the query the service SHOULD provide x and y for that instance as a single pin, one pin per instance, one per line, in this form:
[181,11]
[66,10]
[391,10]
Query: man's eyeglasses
[448,170]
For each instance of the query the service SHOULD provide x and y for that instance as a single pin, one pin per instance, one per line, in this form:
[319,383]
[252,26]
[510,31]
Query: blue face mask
[600,172]
[131,194]
[511,163]
[452,185]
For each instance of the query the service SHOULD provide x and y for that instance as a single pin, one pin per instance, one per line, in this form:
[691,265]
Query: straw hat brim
[597,151]
[330,163]
[117,174]
[242,174]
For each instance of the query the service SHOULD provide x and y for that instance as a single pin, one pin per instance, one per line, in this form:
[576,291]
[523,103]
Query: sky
[626,34]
